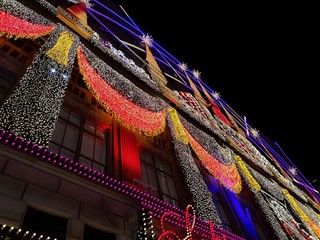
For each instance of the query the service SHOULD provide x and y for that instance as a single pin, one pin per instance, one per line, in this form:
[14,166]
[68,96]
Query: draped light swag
[227,175]
[14,27]
[301,213]
[127,113]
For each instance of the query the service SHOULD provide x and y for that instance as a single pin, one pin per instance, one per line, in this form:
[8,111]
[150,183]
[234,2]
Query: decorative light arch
[127,113]
[14,27]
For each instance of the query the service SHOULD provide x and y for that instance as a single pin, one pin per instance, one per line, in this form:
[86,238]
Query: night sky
[261,58]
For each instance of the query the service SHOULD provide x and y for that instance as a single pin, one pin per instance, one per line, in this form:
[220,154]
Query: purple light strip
[169,57]
[108,30]
[303,184]
[138,29]
[154,204]
[284,165]
[90,10]
[246,125]
[288,159]
[114,13]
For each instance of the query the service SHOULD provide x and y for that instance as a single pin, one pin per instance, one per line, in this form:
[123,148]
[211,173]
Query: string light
[29,127]
[125,111]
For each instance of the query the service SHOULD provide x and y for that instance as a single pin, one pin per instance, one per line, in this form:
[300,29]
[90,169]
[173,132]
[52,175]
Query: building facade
[101,137]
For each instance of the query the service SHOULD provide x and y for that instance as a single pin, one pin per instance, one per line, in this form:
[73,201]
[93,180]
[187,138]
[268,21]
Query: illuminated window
[157,178]
[93,147]
[79,139]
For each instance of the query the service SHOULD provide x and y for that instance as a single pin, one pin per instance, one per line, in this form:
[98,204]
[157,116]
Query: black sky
[263,60]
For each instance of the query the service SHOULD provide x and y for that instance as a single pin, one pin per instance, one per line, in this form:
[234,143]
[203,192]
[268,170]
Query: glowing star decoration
[183,66]
[196,73]
[293,171]
[147,40]
[216,95]
[255,132]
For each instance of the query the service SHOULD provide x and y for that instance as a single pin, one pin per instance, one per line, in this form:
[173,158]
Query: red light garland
[129,114]
[11,26]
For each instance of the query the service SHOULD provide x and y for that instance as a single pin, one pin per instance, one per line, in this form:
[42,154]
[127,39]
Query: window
[157,178]
[221,211]
[41,223]
[91,233]
[66,134]
[15,56]
[80,139]
[93,147]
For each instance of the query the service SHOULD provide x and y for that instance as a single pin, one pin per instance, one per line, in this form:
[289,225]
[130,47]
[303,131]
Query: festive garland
[227,175]
[222,154]
[301,213]
[199,192]
[32,109]
[287,183]
[14,27]
[45,4]
[310,213]
[270,216]
[267,185]
[122,84]
[127,113]
[129,64]
[210,124]
[19,10]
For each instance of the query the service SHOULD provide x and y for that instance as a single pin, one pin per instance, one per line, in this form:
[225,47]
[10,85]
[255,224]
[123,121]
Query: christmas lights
[17,9]
[304,218]
[201,197]
[227,175]
[32,109]
[14,27]
[127,113]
